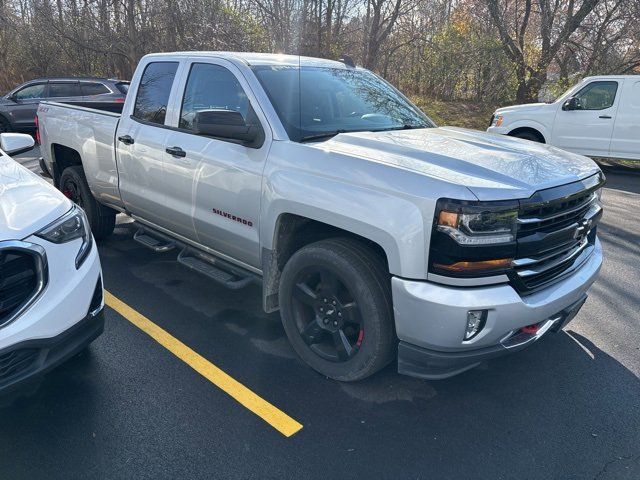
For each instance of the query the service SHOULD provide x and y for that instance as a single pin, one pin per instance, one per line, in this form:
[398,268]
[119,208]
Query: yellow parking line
[270,414]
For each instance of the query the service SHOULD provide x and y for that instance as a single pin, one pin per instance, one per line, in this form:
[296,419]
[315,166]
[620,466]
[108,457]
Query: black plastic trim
[54,351]
[430,364]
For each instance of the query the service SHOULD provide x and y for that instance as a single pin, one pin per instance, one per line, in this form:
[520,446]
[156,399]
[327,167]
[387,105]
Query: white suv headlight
[73,224]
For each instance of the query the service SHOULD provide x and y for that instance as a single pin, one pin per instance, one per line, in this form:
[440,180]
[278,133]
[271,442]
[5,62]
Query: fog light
[475,322]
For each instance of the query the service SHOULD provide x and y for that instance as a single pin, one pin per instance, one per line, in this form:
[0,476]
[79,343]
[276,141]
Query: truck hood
[493,167]
[27,202]
[525,107]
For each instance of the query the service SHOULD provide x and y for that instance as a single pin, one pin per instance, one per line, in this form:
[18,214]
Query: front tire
[528,136]
[335,299]
[74,186]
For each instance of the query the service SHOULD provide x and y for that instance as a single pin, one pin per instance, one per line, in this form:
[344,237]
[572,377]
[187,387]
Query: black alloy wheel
[71,190]
[327,314]
[336,309]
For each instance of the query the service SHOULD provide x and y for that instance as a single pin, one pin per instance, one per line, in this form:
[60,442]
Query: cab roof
[253,59]
[607,77]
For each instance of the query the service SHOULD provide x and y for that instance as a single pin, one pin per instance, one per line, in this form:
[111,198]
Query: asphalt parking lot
[566,408]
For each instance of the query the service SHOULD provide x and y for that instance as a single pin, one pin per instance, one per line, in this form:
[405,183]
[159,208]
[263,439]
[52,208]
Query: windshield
[321,102]
[563,94]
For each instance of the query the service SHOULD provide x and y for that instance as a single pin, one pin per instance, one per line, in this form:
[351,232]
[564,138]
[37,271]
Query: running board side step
[153,241]
[216,269]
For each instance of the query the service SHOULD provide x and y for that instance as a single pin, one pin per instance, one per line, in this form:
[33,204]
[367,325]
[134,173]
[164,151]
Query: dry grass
[458,114]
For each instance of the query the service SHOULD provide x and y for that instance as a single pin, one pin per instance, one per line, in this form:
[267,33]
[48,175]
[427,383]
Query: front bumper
[30,359]
[434,365]
[431,319]
[64,318]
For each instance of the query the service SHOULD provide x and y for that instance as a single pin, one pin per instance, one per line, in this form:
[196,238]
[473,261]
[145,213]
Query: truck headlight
[70,226]
[478,224]
[497,120]
[599,194]
[473,238]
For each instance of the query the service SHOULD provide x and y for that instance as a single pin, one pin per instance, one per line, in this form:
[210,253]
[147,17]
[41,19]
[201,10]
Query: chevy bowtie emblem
[582,229]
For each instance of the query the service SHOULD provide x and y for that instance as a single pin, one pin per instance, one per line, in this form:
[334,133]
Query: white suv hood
[493,167]
[526,108]
[27,202]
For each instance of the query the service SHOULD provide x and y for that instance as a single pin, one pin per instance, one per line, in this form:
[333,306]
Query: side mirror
[574,103]
[227,124]
[16,143]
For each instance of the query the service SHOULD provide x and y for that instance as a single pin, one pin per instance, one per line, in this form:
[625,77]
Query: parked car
[375,233]
[18,107]
[598,117]
[50,279]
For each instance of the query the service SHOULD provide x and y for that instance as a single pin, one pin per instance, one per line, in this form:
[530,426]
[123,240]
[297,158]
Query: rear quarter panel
[90,133]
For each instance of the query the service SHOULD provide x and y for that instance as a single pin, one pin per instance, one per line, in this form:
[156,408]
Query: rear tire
[335,299]
[4,126]
[73,184]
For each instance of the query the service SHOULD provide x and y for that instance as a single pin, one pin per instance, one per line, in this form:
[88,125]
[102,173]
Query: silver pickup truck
[375,233]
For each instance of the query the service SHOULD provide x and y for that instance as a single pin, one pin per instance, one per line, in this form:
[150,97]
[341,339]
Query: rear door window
[635,95]
[153,92]
[64,89]
[32,91]
[93,88]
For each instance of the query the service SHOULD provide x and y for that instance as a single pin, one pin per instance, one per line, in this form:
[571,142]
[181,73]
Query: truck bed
[70,132]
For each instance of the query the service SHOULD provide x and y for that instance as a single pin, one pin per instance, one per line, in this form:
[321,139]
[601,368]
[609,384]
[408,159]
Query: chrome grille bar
[592,198]
[545,264]
[24,299]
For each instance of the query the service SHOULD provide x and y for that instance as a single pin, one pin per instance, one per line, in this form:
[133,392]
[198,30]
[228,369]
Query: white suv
[51,300]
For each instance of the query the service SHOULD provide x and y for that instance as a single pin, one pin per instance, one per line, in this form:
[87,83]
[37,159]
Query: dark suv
[18,107]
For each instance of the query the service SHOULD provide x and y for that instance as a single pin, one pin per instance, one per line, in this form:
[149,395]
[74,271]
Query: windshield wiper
[406,126]
[320,136]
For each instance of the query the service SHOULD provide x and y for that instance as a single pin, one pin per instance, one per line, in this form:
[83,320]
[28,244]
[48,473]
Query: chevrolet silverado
[375,233]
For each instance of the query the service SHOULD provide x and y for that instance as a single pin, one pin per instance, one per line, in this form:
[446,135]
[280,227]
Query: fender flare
[393,222]
[532,124]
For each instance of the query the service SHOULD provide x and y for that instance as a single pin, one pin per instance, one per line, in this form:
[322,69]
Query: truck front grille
[556,235]
[22,277]
[554,216]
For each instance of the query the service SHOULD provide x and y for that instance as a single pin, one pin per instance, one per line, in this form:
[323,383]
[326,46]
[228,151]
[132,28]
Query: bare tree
[554,21]
[379,21]
[444,49]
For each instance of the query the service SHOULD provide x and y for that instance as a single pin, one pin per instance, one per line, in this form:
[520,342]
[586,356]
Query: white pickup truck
[375,233]
[599,117]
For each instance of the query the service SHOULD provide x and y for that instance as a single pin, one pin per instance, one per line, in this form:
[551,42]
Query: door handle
[605,116]
[176,152]
[126,139]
